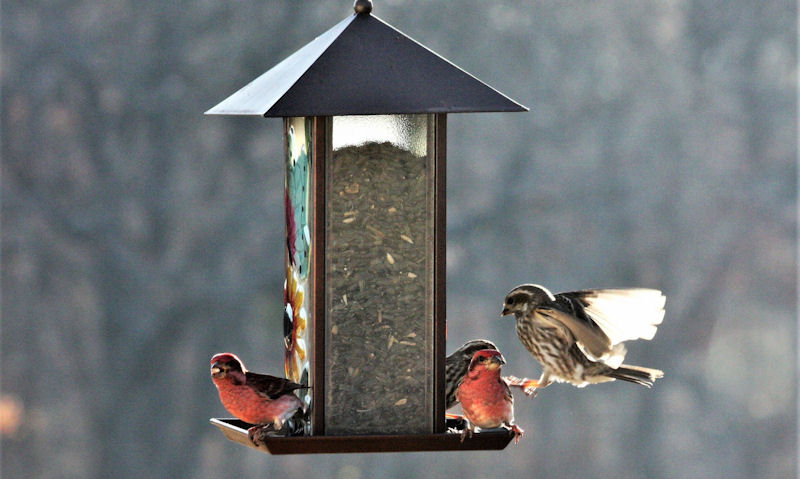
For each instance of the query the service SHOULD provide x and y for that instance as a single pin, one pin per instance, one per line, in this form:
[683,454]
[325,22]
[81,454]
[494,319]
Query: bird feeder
[364,109]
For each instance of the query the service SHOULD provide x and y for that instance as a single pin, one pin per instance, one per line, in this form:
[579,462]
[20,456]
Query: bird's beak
[216,371]
[495,362]
[505,311]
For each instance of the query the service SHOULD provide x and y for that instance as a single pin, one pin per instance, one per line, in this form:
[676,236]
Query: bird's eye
[510,301]
[482,359]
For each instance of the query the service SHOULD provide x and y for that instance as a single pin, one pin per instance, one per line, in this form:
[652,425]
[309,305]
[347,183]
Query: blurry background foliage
[139,236]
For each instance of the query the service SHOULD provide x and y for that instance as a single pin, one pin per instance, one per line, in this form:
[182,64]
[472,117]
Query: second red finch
[485,397]
[260,399]
[457,365]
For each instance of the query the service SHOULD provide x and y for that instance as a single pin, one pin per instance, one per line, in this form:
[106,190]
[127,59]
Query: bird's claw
[258,433]
[529,386]
[290,427]
[518,432]
[531,392]
[466,432]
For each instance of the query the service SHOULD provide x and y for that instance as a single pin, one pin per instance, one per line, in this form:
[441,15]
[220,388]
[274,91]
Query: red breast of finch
[259,399]
[485,397]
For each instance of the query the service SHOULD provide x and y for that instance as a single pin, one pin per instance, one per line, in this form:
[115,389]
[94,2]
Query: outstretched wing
[271,386]
[602,319]
[622,314]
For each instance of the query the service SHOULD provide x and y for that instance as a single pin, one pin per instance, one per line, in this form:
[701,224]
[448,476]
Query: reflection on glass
[379,276]
[297,307]
[408,132]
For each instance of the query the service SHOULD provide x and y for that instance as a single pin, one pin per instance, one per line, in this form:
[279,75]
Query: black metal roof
[364,66]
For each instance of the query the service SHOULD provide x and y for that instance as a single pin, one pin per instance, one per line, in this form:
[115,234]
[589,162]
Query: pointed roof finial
[363,6]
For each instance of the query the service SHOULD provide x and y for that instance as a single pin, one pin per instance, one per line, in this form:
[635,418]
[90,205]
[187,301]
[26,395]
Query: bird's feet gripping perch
[257,434]
[518,432]
[293,426]
[467,431]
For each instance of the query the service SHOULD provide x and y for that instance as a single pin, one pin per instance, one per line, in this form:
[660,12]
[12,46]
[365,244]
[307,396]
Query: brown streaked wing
[271,386]
[592,340]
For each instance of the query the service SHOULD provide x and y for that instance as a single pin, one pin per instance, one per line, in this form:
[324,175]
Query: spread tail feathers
[636,374]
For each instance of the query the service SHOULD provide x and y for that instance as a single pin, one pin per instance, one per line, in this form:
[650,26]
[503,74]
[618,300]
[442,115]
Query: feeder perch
[365,116]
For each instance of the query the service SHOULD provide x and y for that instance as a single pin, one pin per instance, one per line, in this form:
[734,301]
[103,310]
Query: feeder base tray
[493,439]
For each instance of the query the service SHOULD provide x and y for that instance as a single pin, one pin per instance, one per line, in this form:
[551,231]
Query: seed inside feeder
[380,197]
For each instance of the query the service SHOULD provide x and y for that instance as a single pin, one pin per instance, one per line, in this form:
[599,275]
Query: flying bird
[485,397]
[578,336]
[265,401]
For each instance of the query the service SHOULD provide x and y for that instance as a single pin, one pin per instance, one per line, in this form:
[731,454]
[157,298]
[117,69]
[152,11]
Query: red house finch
[260,399]
[485,397]
[457,364]
[577,337]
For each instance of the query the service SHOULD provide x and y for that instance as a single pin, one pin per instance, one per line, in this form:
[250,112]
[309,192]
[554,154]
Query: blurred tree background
[139,236]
